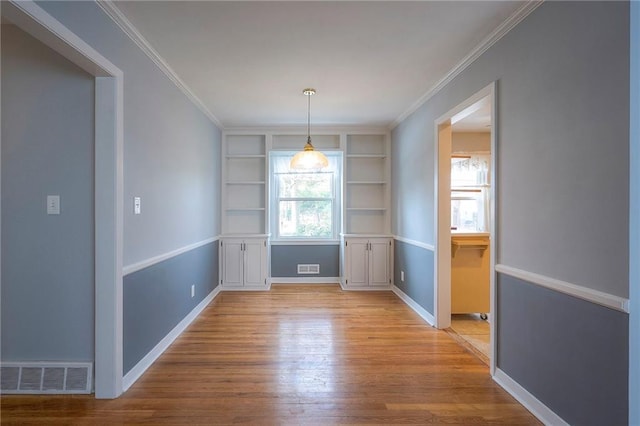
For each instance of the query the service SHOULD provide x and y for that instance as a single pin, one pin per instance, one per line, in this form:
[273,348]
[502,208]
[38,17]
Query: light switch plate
[53,204]
[136,205]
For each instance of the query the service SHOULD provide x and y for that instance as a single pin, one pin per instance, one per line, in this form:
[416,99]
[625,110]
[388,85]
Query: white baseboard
[365,287]
[531,403]
[424,314]
[305,280]
[138,370]
[246,288]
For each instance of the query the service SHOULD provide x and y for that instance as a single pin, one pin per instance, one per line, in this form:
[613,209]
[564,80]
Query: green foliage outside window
[306,205]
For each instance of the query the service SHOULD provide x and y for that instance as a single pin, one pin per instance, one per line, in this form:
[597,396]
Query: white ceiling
[370,62]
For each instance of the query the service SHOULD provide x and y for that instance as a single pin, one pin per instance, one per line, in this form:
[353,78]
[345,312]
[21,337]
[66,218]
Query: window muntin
[305,205]
[470,193]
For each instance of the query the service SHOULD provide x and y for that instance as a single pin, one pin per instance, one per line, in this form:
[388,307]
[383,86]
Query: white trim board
[241,288]
[424,314]
[298,130]
[594,296]
[138,266]
[132,32]
[305,280]
[366,288]
[484,45]
[415,243]
[138,370]
[530,402]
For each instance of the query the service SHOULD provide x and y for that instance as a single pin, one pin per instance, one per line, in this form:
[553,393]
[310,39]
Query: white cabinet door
[356,260]
[255,259]
[367,262]
[379,255]
[232,262]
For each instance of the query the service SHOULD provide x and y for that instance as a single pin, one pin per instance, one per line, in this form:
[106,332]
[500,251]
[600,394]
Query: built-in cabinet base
[244,263]
[366,262]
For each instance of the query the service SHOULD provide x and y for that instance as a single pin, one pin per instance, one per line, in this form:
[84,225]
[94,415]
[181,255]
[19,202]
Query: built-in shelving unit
[365,219]
[244,189]
[367,248]
[284,141]
[367,184]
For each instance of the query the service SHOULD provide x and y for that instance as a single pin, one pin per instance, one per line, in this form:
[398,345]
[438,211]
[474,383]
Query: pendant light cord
[309,118]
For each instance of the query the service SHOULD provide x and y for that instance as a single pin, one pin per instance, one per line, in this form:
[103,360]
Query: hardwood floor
[471,332]
[300,355]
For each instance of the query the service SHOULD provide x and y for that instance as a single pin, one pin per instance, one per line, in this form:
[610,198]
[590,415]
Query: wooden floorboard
[299,355]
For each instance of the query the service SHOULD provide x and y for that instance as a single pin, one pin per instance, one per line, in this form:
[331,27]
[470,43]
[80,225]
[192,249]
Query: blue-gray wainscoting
[284,260]
[157,298]
[417,264]
[571,354]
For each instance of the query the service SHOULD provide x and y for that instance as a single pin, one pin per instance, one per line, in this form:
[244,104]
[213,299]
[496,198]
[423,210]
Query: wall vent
[308,268]
[46,377]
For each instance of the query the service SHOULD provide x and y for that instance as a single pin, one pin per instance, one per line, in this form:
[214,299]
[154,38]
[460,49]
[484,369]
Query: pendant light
[309,158]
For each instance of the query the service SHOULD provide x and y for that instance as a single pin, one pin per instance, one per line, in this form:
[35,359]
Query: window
[470,192]
[305,205]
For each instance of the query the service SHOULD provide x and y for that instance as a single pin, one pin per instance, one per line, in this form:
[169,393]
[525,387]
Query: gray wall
[576,368]
[634,232]
[563,171]
[171,160]
[157,298]
[417,264]
[563,136]
[171,149]
[285,259]
[47,148]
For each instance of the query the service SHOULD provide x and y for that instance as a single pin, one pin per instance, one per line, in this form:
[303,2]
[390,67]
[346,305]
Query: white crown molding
[138,266]
[484,45]
[415,243]
[594,296]
[109,7]
[317,130]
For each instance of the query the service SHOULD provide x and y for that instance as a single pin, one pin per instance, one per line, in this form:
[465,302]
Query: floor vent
[308,268]
[46,377]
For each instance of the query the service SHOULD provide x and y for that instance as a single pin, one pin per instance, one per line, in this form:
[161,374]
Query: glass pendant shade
[309,159]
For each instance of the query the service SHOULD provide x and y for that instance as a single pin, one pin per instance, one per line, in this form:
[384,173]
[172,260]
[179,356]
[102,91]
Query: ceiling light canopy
[309,158]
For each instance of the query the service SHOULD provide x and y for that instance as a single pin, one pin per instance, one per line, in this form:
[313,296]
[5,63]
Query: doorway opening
[108,183]
[465,223]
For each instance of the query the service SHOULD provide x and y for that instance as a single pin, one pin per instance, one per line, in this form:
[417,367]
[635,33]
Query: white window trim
[273,204]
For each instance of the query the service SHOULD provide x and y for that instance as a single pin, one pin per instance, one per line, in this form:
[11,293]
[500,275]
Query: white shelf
[366,182]
[247,182]
[244,183]
[246,156]
[367,177]
[381,156]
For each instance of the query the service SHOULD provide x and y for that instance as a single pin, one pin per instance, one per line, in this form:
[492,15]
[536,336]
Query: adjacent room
[330,212]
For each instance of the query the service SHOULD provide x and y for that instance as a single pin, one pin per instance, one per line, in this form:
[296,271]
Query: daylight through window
[305,204]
